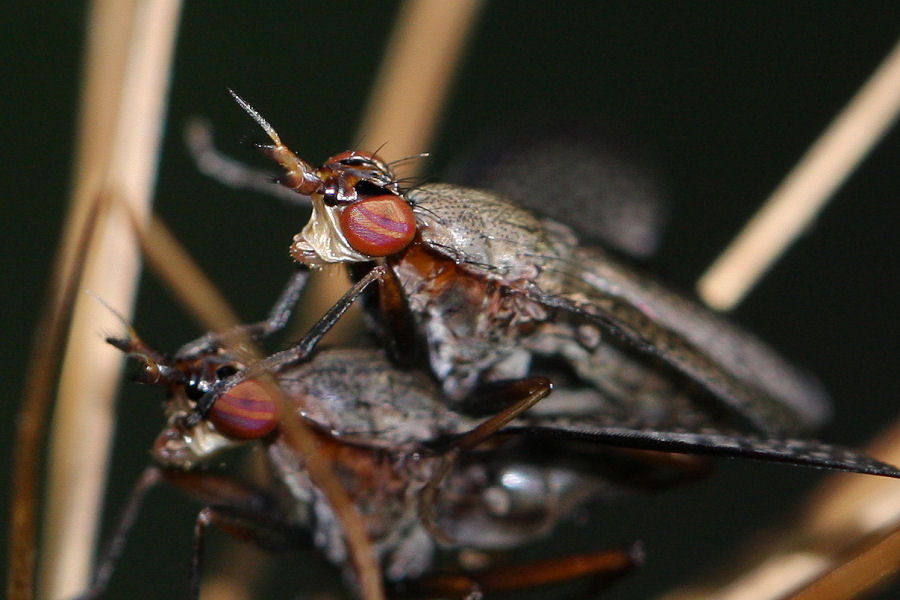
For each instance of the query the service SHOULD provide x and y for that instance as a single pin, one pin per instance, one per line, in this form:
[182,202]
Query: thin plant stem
[806,189]
[127,66]
[415,75]
[33,414]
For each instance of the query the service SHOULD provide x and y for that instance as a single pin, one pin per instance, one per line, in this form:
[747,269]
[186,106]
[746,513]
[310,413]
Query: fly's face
[359,214]
[248,411]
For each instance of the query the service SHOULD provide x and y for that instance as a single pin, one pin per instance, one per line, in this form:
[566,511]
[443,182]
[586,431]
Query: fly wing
[604,186]
[541,262]
[738,370]
[806,453]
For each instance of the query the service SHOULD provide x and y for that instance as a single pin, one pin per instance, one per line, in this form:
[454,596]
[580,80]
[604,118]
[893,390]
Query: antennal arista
[299,175]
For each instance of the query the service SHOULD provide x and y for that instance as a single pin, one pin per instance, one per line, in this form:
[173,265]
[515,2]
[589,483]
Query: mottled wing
[741,372]
[493,238]
[603,186]
[806,453]
[358,396]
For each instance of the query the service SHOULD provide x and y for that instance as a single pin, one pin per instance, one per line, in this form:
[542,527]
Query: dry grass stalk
[126,75]
[806,189]
[415,75]
[850,519]
[169,260]
[33,415]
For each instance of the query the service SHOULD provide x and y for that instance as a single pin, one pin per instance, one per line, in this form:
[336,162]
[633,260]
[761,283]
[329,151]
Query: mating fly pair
[422,475]
[498,298]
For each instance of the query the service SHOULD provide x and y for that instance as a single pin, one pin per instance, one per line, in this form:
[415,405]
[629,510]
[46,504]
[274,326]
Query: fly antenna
[300,176]
[131,333]
[131,344]
[260,120]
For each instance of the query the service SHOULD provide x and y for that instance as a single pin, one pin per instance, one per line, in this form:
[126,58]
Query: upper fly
[490,287]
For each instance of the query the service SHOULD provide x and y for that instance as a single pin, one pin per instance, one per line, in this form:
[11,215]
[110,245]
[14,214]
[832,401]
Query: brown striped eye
[245,412]
[379,226]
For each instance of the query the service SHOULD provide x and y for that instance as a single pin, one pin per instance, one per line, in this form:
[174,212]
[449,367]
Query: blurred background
[724,100]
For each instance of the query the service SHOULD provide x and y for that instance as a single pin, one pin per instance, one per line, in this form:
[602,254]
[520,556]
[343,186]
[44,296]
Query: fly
[400,452]
[491,289]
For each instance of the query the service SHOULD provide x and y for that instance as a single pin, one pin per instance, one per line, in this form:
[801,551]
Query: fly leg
[604,566]
[239,509]
[116,545]
[209,160]
[293,355]
[261,529]
[518,396]
[278,317]
[242,511]
[395,327]
[398,324]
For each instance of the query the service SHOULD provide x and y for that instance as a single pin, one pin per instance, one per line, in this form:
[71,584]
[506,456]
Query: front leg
[296,354]
[398,324]
[242,510]
[278,317]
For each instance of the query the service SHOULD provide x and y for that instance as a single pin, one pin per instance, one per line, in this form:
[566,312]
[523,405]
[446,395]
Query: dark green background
[725,96]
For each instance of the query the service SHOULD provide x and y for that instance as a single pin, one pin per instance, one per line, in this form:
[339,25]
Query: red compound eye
[379,226]
[245,412]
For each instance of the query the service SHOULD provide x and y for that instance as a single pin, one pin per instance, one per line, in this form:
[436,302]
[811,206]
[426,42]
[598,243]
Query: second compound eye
[248,411]
[379,226]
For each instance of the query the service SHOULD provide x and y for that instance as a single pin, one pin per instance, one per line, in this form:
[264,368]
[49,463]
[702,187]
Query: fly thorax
[321,240]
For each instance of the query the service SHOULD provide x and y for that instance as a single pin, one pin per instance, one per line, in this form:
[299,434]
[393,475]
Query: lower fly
[421,474]
[418,473]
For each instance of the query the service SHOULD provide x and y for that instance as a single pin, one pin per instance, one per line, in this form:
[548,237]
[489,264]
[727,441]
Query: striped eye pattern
[379,226]
[247,411]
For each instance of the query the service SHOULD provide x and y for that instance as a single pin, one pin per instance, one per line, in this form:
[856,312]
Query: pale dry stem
[129,49]
[415,75]
[33,415]
[806,189]
[851,518]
